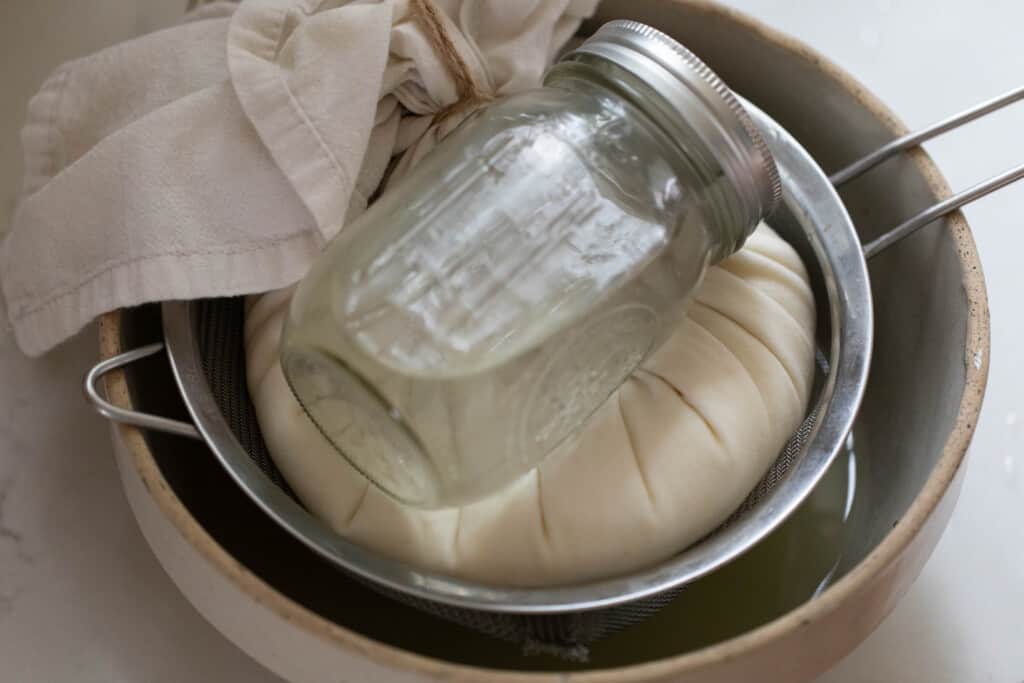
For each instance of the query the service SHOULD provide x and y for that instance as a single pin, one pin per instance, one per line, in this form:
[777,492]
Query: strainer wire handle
[939,210]
[911,140]
[123,415]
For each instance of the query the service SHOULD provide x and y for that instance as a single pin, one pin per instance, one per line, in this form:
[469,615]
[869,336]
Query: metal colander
[204,340]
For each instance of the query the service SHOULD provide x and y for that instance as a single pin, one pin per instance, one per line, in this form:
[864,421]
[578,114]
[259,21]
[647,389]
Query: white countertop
[82,598]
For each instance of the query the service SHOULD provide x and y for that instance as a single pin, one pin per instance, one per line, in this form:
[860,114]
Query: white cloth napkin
[216,157]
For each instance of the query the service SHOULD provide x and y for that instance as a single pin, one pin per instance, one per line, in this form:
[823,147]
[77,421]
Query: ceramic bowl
[305,620]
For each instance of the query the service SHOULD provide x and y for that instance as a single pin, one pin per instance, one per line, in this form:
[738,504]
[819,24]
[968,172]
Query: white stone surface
[81,597]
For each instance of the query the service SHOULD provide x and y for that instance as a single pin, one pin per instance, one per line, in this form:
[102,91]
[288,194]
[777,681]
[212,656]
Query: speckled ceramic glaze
[308,623]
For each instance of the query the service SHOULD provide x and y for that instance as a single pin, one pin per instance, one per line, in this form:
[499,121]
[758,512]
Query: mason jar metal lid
[703,103]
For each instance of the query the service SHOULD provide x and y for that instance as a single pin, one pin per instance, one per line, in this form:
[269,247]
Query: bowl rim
[892,546]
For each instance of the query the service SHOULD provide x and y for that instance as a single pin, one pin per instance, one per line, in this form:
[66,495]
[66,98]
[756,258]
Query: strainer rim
[851,310]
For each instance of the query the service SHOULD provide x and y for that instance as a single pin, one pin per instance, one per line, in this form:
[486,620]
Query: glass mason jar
[485,306]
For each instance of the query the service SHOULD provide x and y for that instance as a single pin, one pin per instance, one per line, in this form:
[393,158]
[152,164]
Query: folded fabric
[216,157]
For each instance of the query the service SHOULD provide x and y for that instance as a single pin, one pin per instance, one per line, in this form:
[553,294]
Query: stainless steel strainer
[204,341]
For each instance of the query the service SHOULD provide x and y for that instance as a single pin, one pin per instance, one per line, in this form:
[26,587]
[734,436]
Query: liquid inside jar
[484,308]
